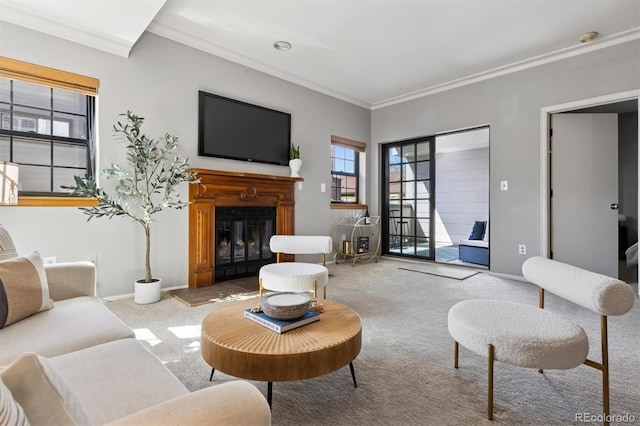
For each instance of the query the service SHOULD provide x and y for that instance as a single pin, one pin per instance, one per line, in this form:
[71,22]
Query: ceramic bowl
[285,305]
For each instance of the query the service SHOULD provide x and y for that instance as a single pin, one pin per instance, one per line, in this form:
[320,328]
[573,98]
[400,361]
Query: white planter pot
[295,165]
[145,293]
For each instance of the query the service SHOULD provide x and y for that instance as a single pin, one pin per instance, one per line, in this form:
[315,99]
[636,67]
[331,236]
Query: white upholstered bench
[529,336]
[297,276]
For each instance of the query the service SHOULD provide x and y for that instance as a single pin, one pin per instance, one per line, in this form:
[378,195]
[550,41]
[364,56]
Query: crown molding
[615,39]
[102,42]
[176,35]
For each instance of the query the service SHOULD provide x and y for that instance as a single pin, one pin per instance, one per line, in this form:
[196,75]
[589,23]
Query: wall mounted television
[228,128]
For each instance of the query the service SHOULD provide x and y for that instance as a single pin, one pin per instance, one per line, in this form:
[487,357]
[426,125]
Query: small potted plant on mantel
[295,163]
[150,182]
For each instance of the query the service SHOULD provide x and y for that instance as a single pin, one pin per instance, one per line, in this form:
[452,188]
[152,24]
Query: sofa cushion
[45,396]
[11,413]
[71,325]
[23,288]
[116,379]
[478,230]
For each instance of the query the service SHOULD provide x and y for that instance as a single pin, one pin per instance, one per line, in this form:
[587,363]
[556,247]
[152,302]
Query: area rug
[227,290]
[441,271]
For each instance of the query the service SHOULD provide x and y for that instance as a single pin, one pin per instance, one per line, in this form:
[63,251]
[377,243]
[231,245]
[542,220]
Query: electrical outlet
[504,185]
[522,249]
[49,260]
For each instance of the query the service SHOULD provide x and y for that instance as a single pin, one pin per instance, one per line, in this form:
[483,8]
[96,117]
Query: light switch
[299,186]
[504,185]
[323,187]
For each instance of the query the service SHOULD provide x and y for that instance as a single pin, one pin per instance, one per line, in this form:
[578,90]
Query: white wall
[462,192]
[511,105]
[160,81]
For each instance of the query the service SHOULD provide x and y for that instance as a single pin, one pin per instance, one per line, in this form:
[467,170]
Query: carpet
[405,369]
[219,292]
[441,271]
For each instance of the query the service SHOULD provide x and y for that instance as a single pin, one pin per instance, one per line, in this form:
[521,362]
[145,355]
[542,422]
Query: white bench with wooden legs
[530,336]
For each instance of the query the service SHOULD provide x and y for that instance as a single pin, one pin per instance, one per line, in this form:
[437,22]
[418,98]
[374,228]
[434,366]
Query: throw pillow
[477,233]
[43,394]
[11,413]
[23,288]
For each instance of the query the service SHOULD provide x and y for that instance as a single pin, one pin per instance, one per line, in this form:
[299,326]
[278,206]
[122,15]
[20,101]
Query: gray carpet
[405,369]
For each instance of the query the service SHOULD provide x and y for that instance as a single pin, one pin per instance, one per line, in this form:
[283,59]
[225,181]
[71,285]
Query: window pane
[349,166]
[422,189]
[422,208]
[422,151]
[423,170]
[338,165]
[407,153]
[4,148]
[69,126]
[31,151]
[66,101]
[394,156]
[34,179]
[5,90]
[408,190]
[394,173]
[30,120]
[70,155]
[32,95]
[407,172]
[64,177]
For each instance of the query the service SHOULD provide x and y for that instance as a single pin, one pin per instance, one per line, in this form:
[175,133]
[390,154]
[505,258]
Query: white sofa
[77,363]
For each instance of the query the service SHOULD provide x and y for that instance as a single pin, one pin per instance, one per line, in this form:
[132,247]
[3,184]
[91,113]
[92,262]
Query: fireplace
[220,192]
[242,240]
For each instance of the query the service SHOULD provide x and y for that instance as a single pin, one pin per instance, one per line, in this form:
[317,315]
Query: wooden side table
[239,347]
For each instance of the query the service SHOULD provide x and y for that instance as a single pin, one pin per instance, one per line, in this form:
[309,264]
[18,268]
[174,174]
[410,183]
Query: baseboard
[130,295]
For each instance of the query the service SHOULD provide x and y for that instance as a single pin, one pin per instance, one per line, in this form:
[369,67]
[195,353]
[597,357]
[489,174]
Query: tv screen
[228,128]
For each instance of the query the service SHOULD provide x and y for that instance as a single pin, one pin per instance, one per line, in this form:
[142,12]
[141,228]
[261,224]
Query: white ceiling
[368,52]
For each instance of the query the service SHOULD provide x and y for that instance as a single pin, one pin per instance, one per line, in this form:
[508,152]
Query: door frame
[545,181]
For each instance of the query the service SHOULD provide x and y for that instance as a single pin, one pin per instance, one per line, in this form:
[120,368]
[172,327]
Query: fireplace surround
[231,189]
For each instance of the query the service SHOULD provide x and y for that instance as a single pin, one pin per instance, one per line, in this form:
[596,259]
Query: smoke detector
[587,37]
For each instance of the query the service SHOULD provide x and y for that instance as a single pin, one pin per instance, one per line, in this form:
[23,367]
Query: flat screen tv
[228,128]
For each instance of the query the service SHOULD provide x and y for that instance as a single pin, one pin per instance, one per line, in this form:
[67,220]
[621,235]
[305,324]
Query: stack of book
[280,326]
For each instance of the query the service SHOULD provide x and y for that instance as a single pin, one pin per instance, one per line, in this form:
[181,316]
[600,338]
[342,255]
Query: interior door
[584,184]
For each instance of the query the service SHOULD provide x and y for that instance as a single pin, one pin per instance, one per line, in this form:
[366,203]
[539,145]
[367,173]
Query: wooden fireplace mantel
[231,189]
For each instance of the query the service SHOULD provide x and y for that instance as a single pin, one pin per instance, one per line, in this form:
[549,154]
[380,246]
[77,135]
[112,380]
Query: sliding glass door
[408,188]
[434,189]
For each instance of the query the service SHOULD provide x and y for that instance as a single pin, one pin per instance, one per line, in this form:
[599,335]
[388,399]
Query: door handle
[614,206]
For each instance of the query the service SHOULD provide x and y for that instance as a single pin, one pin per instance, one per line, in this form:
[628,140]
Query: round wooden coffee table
[239,347]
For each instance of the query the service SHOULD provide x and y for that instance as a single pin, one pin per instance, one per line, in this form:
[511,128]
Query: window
[345,170]
[46,126]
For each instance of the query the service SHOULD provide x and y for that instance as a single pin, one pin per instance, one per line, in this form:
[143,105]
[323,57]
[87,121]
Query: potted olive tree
[149,182]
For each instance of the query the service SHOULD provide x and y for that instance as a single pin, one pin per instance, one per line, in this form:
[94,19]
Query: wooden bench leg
[491,351]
